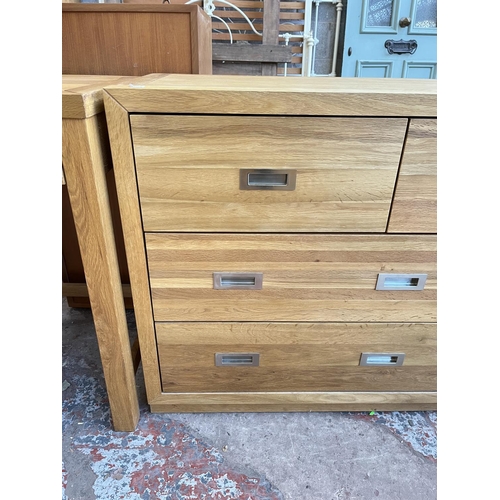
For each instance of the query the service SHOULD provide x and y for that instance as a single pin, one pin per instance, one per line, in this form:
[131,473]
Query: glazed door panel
[390,39]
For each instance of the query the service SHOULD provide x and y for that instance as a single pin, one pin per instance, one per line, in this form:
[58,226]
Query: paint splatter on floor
[417,429]
[64,481]
[161,460]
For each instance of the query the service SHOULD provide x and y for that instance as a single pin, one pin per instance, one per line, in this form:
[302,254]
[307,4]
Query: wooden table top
[82,94]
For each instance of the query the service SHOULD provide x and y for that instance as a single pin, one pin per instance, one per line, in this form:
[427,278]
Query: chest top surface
[273,95]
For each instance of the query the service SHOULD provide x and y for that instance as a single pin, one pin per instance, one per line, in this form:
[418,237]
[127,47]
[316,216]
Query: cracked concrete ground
[256,456]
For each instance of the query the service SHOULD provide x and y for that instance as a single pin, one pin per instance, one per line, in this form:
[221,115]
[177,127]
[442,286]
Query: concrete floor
[249,456]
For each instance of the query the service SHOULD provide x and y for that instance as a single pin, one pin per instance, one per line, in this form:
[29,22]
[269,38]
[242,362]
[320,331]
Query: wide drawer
[209,277]
[266,174]
[259,357]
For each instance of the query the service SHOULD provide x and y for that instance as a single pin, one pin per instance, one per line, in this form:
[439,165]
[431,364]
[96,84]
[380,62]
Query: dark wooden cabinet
[135,39]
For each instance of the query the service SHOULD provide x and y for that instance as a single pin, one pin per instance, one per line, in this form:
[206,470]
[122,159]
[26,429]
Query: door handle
[404,22]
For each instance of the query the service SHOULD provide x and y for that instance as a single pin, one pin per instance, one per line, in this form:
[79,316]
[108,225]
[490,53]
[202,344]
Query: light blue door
[390,39]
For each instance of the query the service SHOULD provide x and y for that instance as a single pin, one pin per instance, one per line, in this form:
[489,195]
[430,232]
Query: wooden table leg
[84,172]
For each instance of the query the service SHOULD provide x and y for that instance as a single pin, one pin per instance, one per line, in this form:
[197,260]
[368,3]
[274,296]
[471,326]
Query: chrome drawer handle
[268,179]
[381,359]
[388,281]
[237,359]
[242,281]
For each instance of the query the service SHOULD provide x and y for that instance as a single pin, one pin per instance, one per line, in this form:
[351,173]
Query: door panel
[390,39]
[413,69]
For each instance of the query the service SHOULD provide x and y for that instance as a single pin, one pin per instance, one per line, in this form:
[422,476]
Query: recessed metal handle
[381,359]
[242,281]
[389,281]
[237,359]
[268,179]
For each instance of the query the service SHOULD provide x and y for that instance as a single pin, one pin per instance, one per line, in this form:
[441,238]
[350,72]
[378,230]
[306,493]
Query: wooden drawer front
[304,277]
[295,357]
[415,201]
[188,170]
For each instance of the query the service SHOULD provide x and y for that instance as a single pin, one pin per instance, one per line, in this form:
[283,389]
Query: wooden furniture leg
[84,172]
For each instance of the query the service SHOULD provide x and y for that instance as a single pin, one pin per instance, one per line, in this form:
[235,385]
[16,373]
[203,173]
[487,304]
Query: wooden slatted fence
[292,16]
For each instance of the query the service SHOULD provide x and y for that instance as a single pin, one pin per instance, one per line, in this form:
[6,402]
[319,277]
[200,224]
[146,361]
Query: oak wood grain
[295,357]
[321,379]
[82,99]
[318,288]
[126,184]
[296,401]
[84,167]
[82,94]
[188,172]
[415,202]
[274,95]
[305,277]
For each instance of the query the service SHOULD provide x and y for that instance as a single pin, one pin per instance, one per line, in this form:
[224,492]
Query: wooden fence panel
[291,20]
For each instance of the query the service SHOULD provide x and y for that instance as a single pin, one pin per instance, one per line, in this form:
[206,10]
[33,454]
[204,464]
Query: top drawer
[189,170]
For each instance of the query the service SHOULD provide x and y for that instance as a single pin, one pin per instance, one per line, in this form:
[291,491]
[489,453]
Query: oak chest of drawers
[281,240]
